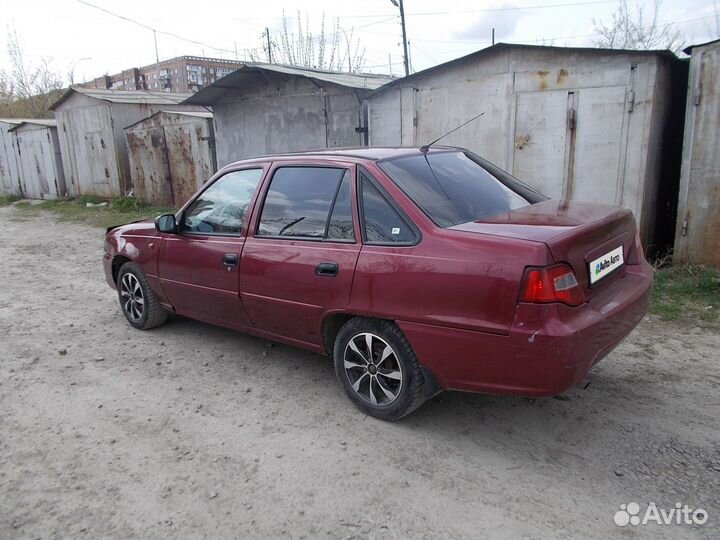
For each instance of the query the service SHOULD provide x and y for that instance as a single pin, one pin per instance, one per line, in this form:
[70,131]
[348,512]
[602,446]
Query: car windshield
[458,187]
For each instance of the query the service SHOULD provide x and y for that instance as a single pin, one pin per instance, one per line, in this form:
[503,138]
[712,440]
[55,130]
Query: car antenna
[426,147]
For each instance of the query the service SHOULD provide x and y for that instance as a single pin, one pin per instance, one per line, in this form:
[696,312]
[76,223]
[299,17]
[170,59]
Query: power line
[482,42]
[155,30]
[463,11]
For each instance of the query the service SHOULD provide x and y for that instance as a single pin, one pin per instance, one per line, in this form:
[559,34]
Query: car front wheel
[378,369]
[137,300]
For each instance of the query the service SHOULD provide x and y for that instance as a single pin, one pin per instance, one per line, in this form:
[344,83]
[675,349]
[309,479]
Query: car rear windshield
[458,187]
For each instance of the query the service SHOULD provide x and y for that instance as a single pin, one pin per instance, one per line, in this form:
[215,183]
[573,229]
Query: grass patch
[92,199]
[8,199]
[686,292]
[117,212]
[129,204]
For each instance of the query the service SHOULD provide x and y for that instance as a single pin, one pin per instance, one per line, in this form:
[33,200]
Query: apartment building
[183,74]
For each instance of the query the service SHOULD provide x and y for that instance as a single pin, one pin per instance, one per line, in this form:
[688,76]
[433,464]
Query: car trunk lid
[576,233]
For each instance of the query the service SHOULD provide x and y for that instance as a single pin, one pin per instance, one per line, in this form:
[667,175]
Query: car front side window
[222,208]
[308,202]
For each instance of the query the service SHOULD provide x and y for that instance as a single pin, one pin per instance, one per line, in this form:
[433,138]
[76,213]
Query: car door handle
[326,269]
[230,259]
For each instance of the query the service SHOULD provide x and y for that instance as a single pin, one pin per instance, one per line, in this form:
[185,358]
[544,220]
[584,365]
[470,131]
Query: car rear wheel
[137,300]
[378,369]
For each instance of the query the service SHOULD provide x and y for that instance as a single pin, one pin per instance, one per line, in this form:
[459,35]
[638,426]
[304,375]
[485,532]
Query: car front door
[299,259]
[198,266]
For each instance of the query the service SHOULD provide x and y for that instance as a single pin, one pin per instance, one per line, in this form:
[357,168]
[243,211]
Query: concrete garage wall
[286,115]
[92,140]
[87,146]
[580,124]
[268,108]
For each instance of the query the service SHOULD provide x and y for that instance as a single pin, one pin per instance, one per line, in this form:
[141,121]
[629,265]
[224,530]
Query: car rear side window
[382,223]
[451,188]
[299,203]
[222,208]
[340,226]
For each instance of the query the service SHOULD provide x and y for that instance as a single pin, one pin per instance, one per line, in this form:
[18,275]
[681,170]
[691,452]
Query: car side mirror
[166,224]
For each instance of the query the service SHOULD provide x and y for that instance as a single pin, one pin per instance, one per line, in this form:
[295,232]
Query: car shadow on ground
[614,431]
[606,396]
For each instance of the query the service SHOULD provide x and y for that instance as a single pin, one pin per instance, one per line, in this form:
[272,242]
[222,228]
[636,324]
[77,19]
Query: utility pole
[267,35]
[399,3]
[157,59]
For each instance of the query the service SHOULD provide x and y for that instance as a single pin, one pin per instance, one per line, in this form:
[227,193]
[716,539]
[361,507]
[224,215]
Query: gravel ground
[195,431]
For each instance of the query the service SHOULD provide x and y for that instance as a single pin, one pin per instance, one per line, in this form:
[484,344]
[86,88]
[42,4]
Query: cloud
[504,22]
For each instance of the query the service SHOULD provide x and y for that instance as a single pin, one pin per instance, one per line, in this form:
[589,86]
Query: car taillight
[551,284]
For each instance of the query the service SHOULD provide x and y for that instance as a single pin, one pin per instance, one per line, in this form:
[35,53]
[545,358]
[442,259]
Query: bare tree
[635,31]
[299,46]
[25,90]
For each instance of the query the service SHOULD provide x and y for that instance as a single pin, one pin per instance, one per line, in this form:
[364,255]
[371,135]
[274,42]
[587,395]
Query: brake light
[551,284]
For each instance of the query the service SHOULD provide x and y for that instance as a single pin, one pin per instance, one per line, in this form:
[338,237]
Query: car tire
[137,300]
[386,384]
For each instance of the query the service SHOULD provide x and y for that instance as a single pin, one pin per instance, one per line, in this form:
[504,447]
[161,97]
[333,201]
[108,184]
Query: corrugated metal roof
[194,114]
[503,46]
[198,114]
[140,97]
[45,122]
[688,50]
[15,121]
[248,75]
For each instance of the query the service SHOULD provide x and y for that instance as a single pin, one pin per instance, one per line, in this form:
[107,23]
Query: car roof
[376,153]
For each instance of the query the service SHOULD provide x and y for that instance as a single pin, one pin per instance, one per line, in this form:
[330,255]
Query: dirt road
[194,431]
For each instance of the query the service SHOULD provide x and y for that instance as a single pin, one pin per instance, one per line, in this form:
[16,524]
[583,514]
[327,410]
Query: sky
[77,37]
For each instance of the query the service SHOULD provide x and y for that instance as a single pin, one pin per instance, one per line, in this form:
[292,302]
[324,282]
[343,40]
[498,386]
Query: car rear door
[199,265]
[298,262]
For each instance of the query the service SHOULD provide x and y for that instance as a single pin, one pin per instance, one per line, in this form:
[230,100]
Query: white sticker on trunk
[602,266]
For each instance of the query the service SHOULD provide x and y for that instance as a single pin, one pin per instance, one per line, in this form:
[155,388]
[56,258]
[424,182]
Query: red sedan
[418,270]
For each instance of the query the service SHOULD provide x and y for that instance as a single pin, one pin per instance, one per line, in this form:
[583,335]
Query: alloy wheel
[373,369]
[133,301]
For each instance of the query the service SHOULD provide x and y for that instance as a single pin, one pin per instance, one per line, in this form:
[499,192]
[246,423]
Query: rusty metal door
[697,239]
[408,117]
[93,167]
[9,171]
[189,158]
[570,144]
[149,165]
[541,126]
[597,173]
[37,158]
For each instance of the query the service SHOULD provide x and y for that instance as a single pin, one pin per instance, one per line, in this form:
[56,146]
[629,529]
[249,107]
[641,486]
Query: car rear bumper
[549,348]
